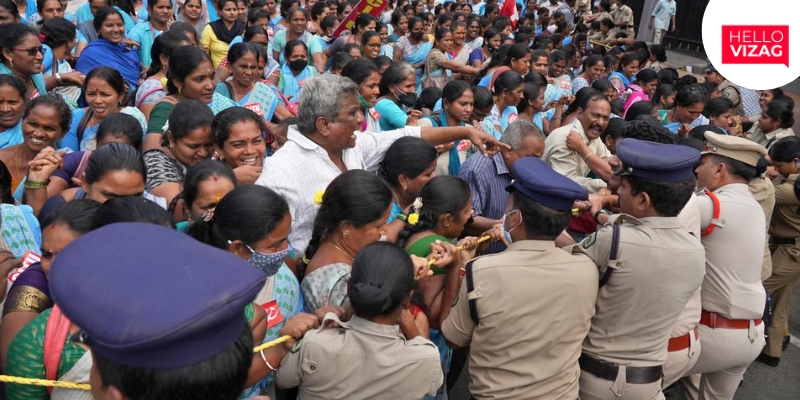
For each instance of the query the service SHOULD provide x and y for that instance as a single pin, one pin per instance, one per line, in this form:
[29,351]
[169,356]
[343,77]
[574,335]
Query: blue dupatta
[38,80]
[12,136]
[418,57]
[102,53]
[621,76]
[290,84]
[454,163]
[261,95]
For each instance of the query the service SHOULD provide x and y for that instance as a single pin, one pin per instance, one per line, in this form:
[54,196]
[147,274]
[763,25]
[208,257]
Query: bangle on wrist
[587,156]
[58,78]
[263,357]
[36,185]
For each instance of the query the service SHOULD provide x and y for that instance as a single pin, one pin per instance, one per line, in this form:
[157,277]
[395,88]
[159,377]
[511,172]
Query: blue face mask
[507,233]
[268,263]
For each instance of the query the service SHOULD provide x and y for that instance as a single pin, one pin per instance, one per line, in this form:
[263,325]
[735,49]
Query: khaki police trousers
[660,33]
[594,388]
[785,270]
[723,361]
[680,362]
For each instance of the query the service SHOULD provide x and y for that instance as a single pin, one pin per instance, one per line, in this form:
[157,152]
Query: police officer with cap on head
[163,315]
[733,223]
[650,267]
[534,294]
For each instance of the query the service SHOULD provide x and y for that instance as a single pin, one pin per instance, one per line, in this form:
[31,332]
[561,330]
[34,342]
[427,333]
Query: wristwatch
[58,78]
[601,211]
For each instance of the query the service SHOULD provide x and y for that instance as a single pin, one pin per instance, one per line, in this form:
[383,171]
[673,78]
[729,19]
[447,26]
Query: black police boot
[769,360]
[786,340]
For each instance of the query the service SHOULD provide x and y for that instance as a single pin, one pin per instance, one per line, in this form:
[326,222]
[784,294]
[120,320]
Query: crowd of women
[169,112]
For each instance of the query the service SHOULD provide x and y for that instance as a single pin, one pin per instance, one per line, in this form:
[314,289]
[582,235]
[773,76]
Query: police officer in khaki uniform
[731,329]
[524,312]
[650,267]
[785,230]
[623,19]
[726,89]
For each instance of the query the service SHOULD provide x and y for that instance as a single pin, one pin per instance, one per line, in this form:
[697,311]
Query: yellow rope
[44,382]
[481,240]
[85,386]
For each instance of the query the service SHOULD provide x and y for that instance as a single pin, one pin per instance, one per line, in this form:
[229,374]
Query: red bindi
[214,178]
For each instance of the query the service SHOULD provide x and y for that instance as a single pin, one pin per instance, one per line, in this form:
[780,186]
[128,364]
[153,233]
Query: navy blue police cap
[656,161]
[150,297]
[535,179]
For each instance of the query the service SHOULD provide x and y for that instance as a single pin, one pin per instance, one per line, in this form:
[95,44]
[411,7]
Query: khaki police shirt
[764,192]
[690,315]
[734,254]
[361,360]
[732,92]
[768,139]
[569,163]
[534,302]
[659,267]
[785,221]
[624,15]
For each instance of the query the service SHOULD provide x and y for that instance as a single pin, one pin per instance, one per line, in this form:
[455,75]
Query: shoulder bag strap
[473,303]
[55,336]
[614,252]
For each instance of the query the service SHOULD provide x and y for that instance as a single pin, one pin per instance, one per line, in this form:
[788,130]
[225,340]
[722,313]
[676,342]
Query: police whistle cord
[85,386]
[481,240]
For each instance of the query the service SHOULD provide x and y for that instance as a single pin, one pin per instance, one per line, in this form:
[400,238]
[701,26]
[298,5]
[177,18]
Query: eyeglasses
[373,44]
[32,51]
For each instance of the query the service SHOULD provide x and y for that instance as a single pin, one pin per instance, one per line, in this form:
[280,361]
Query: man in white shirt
[325,143]
[664,11]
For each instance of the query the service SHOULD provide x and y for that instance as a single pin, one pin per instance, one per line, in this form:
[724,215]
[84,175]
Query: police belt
[783,241]
[609,371]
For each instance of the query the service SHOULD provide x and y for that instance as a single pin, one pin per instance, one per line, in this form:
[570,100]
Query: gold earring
[346,233]
[405,188]
[11,63]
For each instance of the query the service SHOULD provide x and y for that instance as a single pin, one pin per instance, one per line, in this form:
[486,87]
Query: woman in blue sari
[414,49]
[508,92]
[457,104]
[622,78]
[688,108]
[295,70]
[110,49]
[397,97]
[12,105]
[244,87]
[21,55]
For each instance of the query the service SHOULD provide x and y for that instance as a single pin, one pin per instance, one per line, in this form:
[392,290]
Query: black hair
[606,5]
[397,15]
[341,7]
[698,132]
[40,4]
[530,93]
[394,75]
[691,94]
[662,92]
[439,34]
[409,156]
[75,215]
[535,77]
[736,167]
[186,29]
[366,36]
[195,176]
[251,31]
[381,279]
[382,61]
[557,56]
[121,125]
[667,76]
[113,157]
[601,85]
[785,149]
[287,51]
[591,61]
[356,196]
[11,35]
[648,130]
[317,9]
[716,107]
[441,195]
[187,116]
[104,12]
[16,83]
[287,7]
[340,60]
[541,222]
[488,34]
[498,58]
[240,50]
[57,32]
[684,81]
[610,61]
[165,44]
[52,100]
[617,108]
[255,14]
[362,21]
[659,52]
[350,46]
[219,377]
[645,76]
[328,22]
[109,75]
[183,61]
[627,59]
[668,198]
[6,197]
[615,128]
[11,7]
[431,95]
[130,209]
[582,97]
[482,97]
[709,86]
[508,80]
[607,22]
[517,51]
[224,121]
[248,213]
[779,111]
[639,108]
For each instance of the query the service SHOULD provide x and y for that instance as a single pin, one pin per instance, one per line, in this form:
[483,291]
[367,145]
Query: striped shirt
[487,178]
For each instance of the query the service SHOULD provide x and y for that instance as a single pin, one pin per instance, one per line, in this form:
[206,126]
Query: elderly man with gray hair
[326,142]
[489,177]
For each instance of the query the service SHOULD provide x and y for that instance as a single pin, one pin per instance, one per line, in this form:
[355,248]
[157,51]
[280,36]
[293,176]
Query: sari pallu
[38,81]
[261,95]
[418,56]
[12,136]
[102,53]
[290,84]
[622,80]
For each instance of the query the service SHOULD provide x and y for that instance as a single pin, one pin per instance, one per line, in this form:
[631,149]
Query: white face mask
[551,28]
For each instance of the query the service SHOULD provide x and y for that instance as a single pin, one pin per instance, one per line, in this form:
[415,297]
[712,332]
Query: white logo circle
[752,49]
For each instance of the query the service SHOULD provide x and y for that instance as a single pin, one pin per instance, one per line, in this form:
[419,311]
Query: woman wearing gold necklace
[44,122]
[353,214]
[245,87]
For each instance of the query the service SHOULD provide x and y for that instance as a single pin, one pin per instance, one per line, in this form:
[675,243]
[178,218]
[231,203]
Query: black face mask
[298,65]
[418,35]
[406,99]
[491,48]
